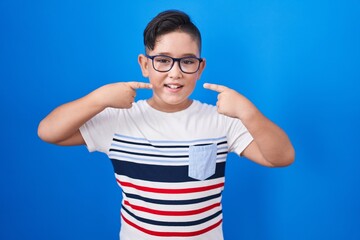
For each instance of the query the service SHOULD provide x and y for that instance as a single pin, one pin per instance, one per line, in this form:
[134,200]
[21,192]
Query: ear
[201,68]
[143,62]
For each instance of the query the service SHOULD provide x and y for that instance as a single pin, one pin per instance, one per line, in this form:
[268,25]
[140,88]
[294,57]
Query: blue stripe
[172,142]
[165,146]
[171,161]
[159,173]
[223,148]
[148,154]
[172,202]
[154,155]
[151,149]
[172,224]
[156,149]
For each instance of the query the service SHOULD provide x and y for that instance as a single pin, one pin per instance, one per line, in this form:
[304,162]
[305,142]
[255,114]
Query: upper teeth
[173,86]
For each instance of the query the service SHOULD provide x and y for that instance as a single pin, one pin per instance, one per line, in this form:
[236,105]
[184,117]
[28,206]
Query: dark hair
[166,22]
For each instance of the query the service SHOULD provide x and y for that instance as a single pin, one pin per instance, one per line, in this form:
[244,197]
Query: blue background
[297,60]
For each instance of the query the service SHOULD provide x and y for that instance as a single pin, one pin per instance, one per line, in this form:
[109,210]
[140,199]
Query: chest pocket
[202,161]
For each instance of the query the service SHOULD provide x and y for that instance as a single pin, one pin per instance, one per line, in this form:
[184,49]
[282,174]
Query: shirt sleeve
[98,131]
[238,135]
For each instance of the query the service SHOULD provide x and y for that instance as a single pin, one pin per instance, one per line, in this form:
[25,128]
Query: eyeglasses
[163,63]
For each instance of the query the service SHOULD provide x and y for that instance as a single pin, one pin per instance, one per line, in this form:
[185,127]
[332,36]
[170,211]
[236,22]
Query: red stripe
[172,213]
[172,234]
[170,191]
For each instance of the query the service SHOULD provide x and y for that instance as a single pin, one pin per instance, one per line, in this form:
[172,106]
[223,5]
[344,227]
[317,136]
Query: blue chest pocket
[202,161]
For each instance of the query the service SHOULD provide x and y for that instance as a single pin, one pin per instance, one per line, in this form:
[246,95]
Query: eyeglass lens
[187,65]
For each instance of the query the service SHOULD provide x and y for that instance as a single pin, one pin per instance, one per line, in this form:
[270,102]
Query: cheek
[194,79]
[191,84]
[156,78]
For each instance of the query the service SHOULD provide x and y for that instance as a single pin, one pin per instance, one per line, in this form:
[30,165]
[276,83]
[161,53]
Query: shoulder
[113,114]
[205,112]
[209,111]
[204,107]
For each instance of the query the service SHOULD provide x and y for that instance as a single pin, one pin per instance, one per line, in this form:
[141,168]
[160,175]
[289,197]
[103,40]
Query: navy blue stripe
[159,173]
[148,144]
[173,224]
[155,155]
[148,155]
[165,146]
[172,202]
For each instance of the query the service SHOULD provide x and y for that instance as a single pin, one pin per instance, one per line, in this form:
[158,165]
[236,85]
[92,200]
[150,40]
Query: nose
[175,72]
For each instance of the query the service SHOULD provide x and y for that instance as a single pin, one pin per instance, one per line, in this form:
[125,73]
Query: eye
[189,61]
[163,60]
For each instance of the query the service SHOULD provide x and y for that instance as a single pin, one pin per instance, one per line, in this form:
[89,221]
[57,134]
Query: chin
[176,100]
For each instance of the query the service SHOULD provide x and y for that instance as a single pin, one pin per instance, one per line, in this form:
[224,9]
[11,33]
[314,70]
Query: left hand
[231,103]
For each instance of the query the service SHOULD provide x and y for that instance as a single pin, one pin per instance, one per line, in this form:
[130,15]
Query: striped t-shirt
[170,167]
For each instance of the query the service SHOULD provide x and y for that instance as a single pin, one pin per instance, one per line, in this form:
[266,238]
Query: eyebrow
[183,55]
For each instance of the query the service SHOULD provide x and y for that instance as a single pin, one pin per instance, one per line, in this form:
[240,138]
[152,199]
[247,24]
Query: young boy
[169,151]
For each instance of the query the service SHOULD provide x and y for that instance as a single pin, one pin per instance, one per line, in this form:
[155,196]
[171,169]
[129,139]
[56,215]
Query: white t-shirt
[170,167]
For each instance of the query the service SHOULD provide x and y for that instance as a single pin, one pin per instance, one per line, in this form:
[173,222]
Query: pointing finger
[215,87]
[137,85]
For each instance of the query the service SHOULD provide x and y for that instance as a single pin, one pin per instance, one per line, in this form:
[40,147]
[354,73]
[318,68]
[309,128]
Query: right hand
[120,95]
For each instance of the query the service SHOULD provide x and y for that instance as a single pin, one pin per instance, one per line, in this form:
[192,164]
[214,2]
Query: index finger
[215,87]
[137,85]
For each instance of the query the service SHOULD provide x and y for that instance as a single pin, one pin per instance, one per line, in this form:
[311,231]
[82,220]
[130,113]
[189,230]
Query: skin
[175,44]
[271,146]
[62,125]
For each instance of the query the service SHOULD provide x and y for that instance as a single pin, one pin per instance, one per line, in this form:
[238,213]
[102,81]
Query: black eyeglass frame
[173,62]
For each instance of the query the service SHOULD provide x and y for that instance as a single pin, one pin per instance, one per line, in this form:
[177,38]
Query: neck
[169,108]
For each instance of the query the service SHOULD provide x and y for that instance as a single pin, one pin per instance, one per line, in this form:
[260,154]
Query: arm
[62,125]
[271,146]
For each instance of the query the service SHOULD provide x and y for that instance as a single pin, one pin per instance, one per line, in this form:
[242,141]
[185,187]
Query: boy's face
[171,90]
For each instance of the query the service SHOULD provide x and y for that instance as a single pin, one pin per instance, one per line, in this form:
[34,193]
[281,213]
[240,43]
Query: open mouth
[173,86]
